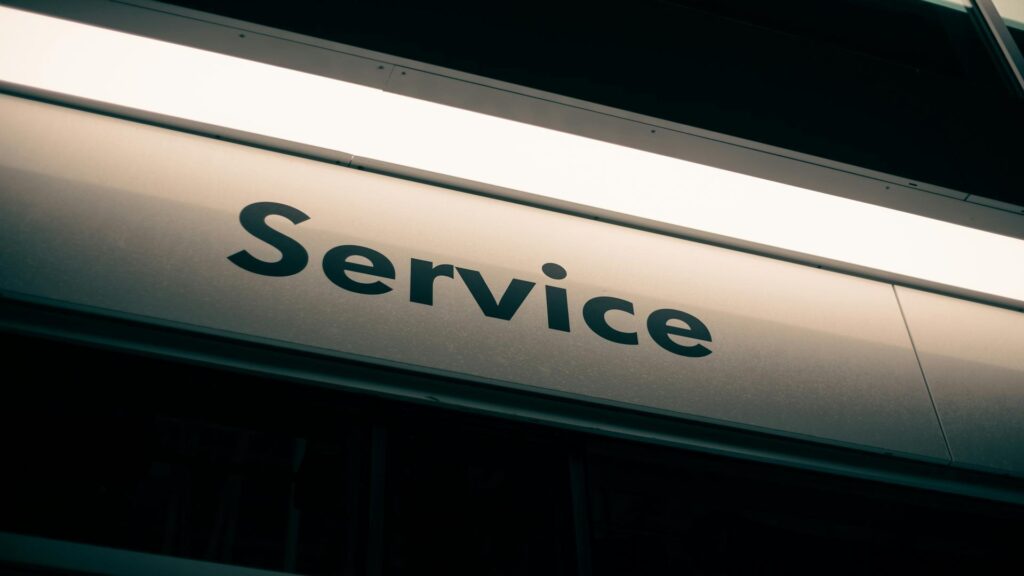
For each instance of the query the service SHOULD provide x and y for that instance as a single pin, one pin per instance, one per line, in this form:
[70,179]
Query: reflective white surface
[202,86]
[973,358]
[136,219]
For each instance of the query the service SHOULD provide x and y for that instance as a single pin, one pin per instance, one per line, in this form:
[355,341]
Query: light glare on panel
[179,81]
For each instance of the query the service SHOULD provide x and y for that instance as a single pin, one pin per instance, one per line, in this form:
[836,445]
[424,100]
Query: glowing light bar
[118,68]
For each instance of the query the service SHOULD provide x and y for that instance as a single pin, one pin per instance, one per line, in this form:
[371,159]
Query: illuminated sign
[205,235]
[133,72]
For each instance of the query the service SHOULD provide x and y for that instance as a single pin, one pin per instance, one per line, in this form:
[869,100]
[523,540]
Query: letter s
[293,256]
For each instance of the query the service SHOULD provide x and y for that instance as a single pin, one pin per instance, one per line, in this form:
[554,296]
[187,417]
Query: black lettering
[337,266]
[657,325]
[293,256]
[665,325]
[558,308]
[421,281]
[557,299]
[594,312]
[510,302]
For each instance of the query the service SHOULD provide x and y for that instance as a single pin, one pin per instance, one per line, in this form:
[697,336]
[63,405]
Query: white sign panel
[973,357]
[164,225]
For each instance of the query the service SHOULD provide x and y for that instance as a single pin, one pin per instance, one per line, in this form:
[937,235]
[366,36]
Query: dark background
[180,458]
[905,87]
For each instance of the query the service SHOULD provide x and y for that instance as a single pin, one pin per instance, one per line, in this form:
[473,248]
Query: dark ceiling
[906,87]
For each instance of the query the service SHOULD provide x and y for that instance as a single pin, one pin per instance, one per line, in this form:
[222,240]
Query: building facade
[697,287]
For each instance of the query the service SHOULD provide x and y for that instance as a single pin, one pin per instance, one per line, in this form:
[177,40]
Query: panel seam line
[924,377]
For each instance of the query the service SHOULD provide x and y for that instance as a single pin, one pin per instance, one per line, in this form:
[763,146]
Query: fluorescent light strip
[126,70]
